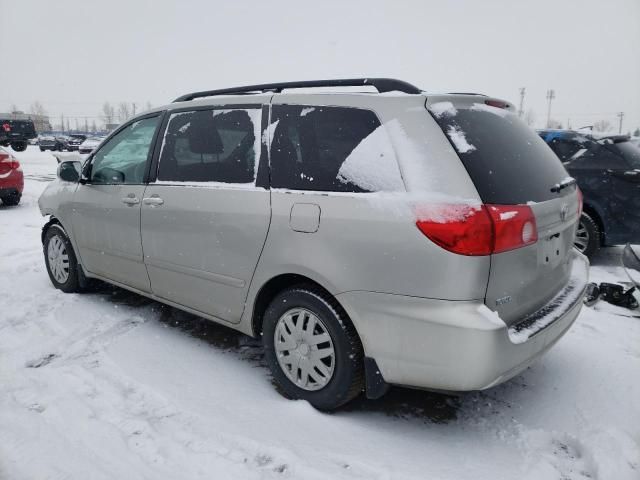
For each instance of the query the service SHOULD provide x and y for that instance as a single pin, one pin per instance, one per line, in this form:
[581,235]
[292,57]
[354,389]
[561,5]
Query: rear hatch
[17,129]
[511,166]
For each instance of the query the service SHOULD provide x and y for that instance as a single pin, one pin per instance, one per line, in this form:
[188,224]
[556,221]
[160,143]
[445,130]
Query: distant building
[41,122]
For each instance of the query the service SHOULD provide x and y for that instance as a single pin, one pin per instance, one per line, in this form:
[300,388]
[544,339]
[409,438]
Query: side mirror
[69,171]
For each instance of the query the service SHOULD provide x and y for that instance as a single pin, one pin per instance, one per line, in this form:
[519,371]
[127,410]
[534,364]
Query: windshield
[507,161]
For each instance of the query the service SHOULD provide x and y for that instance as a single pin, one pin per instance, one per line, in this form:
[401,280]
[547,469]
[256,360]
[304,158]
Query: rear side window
[334,149]
[565,148]
[507,161]
[219,145]
[598,157]
[630,152]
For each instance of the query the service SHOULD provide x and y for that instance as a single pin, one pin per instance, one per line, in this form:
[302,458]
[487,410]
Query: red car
[11,179]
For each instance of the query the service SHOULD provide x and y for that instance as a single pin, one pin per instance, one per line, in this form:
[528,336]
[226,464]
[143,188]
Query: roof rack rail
[381,84]
[467,93]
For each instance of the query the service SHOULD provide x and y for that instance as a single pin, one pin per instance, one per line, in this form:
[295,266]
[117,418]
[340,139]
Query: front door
[106,211]
[204,221]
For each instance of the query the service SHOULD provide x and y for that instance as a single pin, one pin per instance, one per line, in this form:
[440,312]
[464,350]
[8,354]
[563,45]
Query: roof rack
[467,93]
[381,84]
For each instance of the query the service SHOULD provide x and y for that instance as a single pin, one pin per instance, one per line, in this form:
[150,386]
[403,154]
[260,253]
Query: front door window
[123,158]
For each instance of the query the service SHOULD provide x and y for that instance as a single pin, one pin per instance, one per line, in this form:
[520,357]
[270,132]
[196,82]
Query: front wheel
[60,259]
[11,200]
[19,146]
[312,348]
[587,239]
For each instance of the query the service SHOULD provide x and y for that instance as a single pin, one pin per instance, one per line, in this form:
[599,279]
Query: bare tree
[123,111]
[37,109]
[148,106]
[530,117]
[108,113]
[14,108]
[94,128]
[602,126]
[554,124]
[636,132]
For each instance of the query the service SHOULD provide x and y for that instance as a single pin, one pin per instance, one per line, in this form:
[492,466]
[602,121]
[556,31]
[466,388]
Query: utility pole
[133,107]
[62,122]
[551,94]
[521,110]
[620,115]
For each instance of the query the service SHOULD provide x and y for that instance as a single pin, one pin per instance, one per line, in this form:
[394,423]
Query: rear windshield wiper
[567,182]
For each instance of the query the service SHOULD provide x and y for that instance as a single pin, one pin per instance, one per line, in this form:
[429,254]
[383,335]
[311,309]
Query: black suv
[16,133]
[608,173]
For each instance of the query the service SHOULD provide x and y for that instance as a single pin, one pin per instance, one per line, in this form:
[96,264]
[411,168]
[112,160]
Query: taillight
[10,160]
[478,230]
[514,226]
[496,103]
[580,201]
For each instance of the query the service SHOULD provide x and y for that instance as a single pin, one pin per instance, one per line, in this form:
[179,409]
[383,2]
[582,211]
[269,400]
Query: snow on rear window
[501,112]
[458,138]
[372,164]
[440,109]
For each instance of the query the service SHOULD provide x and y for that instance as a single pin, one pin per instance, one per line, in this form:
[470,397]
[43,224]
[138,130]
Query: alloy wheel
[581,241]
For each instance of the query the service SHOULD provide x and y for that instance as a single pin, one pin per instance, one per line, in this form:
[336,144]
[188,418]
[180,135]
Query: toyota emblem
[564,211]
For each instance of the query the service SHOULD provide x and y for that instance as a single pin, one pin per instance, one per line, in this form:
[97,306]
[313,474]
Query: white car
[90,144]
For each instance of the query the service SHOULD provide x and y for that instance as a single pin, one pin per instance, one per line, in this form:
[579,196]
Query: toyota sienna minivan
[369,238]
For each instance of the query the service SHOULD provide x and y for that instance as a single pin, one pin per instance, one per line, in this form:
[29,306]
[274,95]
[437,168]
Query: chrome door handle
[153,201]
[131,200]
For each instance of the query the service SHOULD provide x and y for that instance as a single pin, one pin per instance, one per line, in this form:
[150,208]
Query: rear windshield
[507,161]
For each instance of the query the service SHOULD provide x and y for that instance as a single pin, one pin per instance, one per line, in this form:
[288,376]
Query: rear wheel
[312,349]
[60,259]
[587,239]
[19,146]
[11,200]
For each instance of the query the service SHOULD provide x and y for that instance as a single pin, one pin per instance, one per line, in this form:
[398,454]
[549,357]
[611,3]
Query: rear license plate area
[553,250]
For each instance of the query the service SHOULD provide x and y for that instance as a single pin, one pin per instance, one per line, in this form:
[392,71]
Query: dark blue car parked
[608,173]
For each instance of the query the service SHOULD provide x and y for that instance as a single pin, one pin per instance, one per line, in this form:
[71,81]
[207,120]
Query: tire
[11,200]
[342,377]
[69,283]
[19,146]
[42,149]
[587,236]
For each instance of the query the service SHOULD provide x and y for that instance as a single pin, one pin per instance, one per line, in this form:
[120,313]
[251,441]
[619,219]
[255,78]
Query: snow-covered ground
[110,385]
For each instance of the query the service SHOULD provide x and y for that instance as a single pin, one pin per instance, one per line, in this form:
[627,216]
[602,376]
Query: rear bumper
[457,345]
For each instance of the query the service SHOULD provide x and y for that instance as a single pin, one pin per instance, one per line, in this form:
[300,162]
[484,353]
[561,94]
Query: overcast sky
[73,55]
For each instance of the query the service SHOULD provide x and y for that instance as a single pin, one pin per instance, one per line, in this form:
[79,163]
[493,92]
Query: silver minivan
[370,238]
